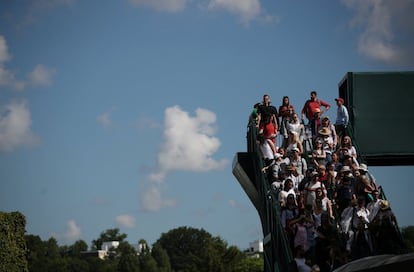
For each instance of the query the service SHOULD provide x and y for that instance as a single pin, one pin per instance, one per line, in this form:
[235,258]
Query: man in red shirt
[312,105]
[312,110]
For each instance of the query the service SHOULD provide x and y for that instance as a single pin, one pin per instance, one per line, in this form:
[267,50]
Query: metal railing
[277,252]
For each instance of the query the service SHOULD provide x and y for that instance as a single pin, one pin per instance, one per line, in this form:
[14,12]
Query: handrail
[278,255]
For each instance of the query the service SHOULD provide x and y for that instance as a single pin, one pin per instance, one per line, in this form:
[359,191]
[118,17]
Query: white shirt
[266,150]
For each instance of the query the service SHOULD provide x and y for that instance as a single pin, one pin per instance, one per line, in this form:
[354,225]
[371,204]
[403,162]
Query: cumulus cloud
[40,76]
[163,5]
[125,220]
[246,9]
[188,145]
[383,23]
[15,126]
[73,231]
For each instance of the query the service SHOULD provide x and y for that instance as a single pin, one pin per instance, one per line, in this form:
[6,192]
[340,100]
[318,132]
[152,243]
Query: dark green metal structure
[381,110]
[247,169]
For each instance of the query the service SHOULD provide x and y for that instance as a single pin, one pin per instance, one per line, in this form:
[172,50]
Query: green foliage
[192,249]
[250,264]
[183,249]
[128,259]
[108,235]
[161,257]
[76,249]
[408,237]
[13,245]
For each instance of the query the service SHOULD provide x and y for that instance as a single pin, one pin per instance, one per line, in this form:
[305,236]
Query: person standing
[312,106]
[286,111]
[342,119]
[267,119]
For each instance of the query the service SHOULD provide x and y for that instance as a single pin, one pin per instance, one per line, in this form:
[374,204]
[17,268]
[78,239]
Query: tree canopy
[191,249]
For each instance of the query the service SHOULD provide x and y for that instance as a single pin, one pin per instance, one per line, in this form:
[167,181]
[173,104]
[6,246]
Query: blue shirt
[342,117]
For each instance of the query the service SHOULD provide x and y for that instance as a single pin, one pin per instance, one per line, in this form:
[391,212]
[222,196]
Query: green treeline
[183,249]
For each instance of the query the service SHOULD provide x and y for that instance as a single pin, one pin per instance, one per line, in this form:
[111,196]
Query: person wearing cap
[275,176]
[342,118]
[325,135]
[363,170]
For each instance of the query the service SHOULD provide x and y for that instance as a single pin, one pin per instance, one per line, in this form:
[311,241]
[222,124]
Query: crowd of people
[332,208]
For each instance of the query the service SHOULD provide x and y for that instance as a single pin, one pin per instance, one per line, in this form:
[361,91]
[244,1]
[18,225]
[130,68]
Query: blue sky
[128,114]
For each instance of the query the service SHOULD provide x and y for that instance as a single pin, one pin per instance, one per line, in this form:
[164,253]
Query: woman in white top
[296,126]
[347,143]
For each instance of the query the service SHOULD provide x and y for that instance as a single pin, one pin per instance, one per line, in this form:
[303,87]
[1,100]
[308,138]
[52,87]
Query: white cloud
[188,144]
[382,22]
[105,119]
[40,76]
[4,51]
[246,9]
[73,231]
[163,5]
[125,220]
[7,77]
[15,126]
[151,198]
